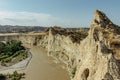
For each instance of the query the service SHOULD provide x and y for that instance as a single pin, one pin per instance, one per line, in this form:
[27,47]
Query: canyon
[87,55]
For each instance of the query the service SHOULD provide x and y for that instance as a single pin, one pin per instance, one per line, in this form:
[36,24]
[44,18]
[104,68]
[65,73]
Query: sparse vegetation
[11,50]
[14,76]
[73,71]
[76,35]
[3,77]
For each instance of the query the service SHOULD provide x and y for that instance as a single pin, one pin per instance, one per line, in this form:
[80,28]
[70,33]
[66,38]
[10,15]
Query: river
[42,67]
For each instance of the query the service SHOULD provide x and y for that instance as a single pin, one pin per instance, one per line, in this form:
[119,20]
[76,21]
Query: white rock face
[62,48]
[98,53]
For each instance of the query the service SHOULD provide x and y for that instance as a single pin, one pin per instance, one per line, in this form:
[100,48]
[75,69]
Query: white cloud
[30,18]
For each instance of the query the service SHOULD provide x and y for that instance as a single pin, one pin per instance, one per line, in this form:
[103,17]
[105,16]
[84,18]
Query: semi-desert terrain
[83,54]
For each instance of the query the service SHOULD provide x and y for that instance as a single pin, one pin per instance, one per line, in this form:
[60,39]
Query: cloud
[30,18]
[26,18]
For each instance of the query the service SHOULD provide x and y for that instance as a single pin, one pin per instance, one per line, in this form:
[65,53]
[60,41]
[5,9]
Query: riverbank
[18,66]
[40,67]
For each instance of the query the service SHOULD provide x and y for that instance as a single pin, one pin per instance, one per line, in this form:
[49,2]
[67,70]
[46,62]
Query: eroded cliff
[64,46]
[99,52]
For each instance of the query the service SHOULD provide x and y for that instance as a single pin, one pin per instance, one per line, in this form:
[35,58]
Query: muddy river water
[42,67]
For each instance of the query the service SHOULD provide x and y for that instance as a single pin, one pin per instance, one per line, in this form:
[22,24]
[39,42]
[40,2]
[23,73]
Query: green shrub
[2,77]
[14,76]
[74,71]
[3,57]
[8,59]
[11,49]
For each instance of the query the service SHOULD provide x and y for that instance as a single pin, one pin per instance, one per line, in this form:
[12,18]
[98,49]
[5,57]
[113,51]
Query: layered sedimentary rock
[100,52]
[64,46]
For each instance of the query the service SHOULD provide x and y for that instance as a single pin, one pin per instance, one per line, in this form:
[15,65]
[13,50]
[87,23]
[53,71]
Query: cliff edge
[99,57]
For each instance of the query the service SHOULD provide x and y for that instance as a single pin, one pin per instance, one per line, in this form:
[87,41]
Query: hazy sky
[65,13]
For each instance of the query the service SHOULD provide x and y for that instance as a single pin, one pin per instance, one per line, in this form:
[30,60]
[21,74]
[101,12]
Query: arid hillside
[99,52]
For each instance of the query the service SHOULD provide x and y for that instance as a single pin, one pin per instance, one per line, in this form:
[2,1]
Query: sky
[64,13]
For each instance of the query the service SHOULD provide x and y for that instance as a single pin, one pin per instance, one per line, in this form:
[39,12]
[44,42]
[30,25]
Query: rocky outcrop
[94,58]
[62,48]
[99,52]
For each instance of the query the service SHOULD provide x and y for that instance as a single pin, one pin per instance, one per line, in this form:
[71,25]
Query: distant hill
[20,29]
[25,29]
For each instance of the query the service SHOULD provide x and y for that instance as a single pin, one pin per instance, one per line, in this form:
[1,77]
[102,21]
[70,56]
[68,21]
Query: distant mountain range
[20,29]
[25,29]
